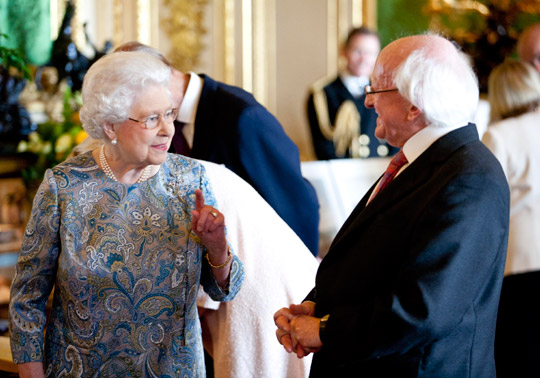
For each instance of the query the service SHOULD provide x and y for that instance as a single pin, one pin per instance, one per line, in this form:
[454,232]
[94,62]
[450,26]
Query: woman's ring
[214,214]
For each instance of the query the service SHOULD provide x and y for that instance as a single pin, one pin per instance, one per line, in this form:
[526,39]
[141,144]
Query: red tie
[180,143]
[393,168]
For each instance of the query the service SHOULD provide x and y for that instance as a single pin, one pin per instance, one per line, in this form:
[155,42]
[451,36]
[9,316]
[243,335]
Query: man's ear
[413,113]
[108,128]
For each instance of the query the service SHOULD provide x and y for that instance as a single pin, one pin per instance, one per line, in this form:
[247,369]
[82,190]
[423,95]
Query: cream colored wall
[301,59]
[272,48]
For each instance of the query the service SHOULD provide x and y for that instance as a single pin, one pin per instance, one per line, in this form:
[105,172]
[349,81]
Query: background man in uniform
[341,126]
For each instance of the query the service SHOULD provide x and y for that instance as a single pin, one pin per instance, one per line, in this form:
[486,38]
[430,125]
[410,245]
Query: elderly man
[411,283]
[341,126]
[528,47]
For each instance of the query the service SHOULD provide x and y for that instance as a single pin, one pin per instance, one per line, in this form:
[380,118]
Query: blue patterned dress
[125,268]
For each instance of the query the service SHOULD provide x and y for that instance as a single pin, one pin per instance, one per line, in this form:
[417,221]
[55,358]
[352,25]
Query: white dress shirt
[188,107]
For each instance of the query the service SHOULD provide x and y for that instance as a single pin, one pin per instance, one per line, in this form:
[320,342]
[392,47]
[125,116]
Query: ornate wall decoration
[229,61]
[118,11]
[184,26]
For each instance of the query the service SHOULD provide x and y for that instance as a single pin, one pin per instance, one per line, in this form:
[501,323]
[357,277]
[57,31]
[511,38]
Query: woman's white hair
[113,84]
[444,88]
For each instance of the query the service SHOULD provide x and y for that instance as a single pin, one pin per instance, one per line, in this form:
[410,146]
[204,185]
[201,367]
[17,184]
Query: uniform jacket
[336,94]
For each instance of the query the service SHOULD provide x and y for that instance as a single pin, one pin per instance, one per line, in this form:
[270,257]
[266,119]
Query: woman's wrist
[222,264]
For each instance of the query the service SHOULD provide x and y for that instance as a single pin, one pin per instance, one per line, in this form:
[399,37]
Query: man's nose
[368,102]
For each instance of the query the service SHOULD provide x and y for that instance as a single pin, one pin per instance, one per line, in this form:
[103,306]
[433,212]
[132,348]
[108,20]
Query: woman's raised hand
[209,224]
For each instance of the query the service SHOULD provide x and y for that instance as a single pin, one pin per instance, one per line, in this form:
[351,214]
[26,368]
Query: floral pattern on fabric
[125,268]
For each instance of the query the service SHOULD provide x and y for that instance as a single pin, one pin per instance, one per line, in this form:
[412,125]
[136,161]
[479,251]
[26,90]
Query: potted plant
[15,121]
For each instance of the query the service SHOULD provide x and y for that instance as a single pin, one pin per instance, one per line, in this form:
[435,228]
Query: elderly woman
[124,234]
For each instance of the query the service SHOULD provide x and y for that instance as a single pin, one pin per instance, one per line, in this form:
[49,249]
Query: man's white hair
[444,88]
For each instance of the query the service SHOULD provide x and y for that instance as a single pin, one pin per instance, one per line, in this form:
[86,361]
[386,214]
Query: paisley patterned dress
[125,267]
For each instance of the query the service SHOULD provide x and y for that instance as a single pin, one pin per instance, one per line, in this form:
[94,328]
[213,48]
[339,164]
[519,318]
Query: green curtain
[27,24]
[399,18]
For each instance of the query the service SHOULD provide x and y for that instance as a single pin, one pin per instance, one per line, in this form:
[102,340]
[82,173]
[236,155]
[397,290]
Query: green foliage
[13,58]
[53,141]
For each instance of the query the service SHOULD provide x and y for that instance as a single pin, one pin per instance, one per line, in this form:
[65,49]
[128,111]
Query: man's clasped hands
[298,329]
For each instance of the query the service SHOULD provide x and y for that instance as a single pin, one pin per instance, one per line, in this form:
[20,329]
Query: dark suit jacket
[412,280]
[517,340]
[337,94]
[233,129]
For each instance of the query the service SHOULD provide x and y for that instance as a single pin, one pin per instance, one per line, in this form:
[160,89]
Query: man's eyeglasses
[368,90]
[152,121]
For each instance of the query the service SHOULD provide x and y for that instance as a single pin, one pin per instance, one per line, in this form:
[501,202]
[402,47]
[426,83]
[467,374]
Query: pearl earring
[114,142]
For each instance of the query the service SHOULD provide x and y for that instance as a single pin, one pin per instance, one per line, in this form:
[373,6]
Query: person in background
[514,96]
[226,125]
[411,283]
[124,234]
[341,126]
[528,46]
[528,50]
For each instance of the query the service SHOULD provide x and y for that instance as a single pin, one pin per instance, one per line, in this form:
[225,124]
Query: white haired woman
[124,234]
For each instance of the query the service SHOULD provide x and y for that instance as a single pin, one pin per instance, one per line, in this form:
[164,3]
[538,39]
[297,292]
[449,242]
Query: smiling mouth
[160,146]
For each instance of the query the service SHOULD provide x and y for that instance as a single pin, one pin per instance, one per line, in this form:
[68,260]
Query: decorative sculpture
[66,57]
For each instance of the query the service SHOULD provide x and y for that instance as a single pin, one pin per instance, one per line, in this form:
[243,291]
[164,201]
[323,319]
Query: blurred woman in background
[514,96]
[513,136]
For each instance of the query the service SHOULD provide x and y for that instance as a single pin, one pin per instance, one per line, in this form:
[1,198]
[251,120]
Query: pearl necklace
[109,173]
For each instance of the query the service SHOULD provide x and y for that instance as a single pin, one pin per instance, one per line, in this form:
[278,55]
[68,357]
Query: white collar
[354,84]
[190,102]
[420,142]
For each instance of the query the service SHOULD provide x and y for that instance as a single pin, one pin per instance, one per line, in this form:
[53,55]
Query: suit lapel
[411,178]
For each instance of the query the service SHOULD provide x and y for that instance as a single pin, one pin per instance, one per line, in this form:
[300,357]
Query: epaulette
[344,133]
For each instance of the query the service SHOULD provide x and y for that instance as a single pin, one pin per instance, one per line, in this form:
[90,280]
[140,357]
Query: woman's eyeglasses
[152,121]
